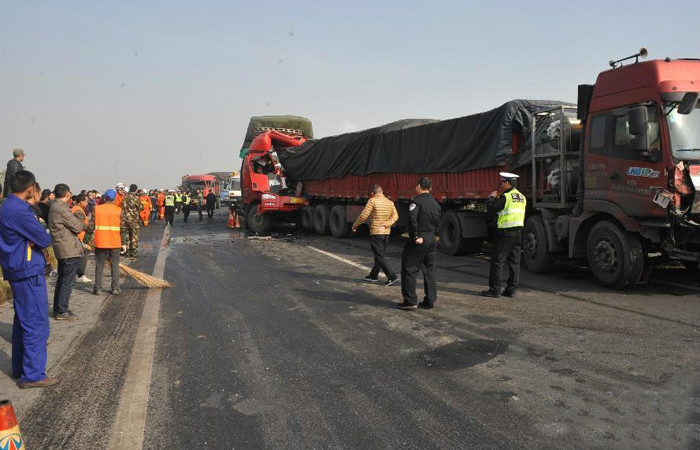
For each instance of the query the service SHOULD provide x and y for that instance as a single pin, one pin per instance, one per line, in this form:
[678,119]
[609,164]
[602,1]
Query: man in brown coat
[384,215]
[64,227]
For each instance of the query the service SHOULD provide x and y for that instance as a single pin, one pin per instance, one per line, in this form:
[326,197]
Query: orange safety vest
[108,226]
[81,235]
[118,200]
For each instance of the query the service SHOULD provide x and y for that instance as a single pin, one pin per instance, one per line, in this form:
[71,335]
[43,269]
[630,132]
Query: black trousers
[210,211]
[185,212]
[421,257]
[67,269]
[102,255]
[169,214]
[506,248]
[378,242]
[199,210]
[82,265]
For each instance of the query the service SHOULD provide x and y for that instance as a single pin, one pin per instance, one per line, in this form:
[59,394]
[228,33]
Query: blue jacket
[18,228]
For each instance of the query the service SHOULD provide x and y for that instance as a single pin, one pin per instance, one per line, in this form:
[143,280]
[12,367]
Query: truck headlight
[269,196]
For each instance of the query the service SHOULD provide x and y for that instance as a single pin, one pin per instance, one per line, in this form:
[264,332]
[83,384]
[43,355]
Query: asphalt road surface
[277,343]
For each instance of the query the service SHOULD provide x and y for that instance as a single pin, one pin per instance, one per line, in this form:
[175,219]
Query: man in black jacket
[420,252]
[211,203]
[13,166]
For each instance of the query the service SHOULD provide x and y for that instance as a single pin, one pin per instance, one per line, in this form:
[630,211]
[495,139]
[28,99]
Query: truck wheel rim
[530,244]
[606,256]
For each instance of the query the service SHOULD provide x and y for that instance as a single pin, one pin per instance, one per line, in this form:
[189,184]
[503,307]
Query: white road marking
[346,261]
[130,421]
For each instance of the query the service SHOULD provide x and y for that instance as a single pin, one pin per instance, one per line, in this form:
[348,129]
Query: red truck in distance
[613,181]
[205,183]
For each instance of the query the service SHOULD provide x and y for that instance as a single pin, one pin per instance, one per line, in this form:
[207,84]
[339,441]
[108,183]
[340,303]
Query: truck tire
[259,223]
[338,225]
[451,241]
[322,215]
[307,219]
[536,255]
[616,257]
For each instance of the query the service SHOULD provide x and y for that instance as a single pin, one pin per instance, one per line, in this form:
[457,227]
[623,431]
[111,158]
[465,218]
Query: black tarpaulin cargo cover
[416,146]
[286,124]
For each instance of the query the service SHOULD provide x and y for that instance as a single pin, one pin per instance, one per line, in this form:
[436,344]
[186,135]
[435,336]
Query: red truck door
[635,175]
[597,178]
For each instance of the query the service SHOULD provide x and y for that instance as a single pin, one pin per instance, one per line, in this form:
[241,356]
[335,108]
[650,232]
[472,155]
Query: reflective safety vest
[185,199]
[178,198]
[169,200]
[108,226]
[513,213]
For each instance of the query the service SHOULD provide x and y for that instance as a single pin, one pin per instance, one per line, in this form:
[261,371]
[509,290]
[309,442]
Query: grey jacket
[65,226]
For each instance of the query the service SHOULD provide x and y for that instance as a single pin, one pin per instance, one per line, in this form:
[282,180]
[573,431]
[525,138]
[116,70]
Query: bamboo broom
[142,278]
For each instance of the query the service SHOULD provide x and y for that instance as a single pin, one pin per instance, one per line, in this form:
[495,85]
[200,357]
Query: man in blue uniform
[22,239]
[420,252]
[510,206]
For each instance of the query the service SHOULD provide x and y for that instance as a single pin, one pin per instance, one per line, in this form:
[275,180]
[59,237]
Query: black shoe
[425,305]
[68,315]
[490,293]
[369,279]
[96,291]
[391,281]
[406,305]
[508,293]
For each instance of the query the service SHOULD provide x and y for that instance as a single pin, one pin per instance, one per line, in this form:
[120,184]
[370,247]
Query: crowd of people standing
[35,223]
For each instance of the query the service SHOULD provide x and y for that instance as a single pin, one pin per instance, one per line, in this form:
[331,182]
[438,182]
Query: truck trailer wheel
[321,219]
[259,223]
[339,227]
[307,219]
[536,254]
[451,241]
[615,256]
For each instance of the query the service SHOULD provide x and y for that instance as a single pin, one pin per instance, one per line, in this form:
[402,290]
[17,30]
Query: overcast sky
[147,91]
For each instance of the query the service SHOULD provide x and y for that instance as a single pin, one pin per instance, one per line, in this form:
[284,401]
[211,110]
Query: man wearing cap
[170,207]
[13,166]
[106,225]
[509,204]
[121,193]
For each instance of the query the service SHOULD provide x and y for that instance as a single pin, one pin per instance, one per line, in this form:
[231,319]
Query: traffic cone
[231,219]
[238,222]
[10,437]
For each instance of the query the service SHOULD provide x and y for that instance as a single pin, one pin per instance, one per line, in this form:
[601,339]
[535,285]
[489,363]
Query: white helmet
[121,186]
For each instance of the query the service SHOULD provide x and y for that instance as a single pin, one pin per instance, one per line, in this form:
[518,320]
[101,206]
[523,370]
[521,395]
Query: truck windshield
[685,134]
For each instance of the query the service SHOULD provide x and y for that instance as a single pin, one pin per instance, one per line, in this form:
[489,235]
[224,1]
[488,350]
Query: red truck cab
[263,181]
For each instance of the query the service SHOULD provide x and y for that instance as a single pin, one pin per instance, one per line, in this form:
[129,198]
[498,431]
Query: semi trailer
[613,180]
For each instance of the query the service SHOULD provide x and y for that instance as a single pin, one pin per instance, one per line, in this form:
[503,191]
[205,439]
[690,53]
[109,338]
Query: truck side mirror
[688,103]
[638,119]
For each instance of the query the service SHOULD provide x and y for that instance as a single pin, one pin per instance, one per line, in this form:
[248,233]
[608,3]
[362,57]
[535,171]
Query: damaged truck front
[637,191]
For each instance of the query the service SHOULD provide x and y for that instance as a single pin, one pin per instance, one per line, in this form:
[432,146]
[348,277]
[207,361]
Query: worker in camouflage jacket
[131,209]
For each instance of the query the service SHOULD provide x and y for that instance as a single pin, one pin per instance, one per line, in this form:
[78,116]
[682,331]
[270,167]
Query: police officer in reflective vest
[510,207]
[170,207]
[178,202]
[185,206]
[420,252]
